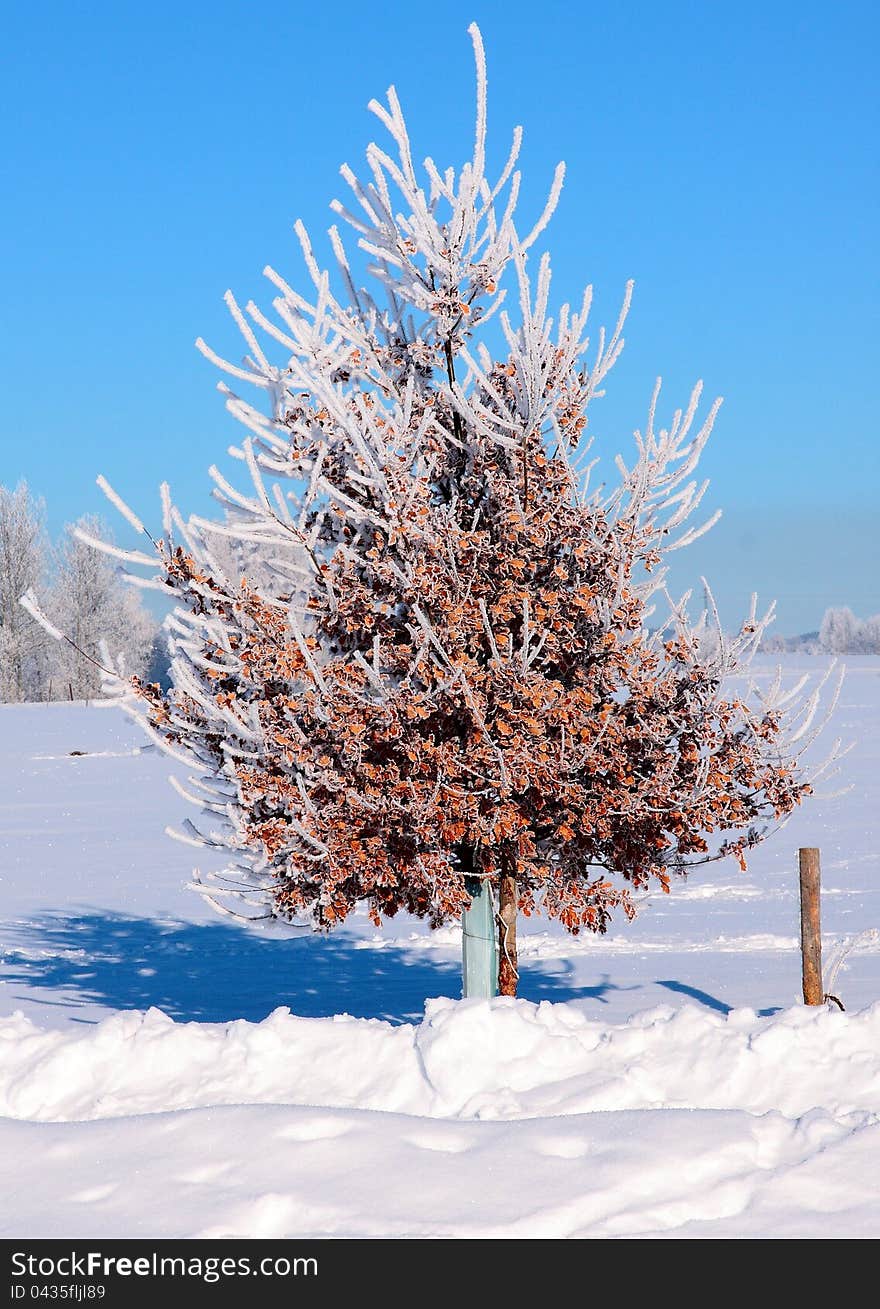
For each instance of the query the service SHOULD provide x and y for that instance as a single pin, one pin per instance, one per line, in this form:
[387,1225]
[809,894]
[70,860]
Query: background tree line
[84,594]
[840,633]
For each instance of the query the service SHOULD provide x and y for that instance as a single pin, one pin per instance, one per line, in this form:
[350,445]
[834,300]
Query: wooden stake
[811,930]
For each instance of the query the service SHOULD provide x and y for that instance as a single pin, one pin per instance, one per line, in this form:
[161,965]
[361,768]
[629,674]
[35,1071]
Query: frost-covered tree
[91,604]
[452,668]
[838,630]
[842,633]
[79,589]
[23,561]
[870,635]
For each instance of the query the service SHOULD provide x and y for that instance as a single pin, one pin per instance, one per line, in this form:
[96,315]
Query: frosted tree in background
[91,604]
[838,630]
[23,559]
[842,633]
[457,663]
[74,588]
[870,635]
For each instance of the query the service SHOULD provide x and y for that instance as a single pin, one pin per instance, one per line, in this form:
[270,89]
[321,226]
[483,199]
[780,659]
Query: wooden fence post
[811,929]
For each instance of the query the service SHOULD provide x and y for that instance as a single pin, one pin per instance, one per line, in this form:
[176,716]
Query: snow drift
[499,1118]
[497,1059]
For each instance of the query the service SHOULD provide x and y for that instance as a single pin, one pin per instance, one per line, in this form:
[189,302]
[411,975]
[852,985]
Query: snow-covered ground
[165,1073]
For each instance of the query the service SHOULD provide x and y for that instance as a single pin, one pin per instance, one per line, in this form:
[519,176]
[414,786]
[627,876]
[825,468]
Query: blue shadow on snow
[710,1001]
[216,972]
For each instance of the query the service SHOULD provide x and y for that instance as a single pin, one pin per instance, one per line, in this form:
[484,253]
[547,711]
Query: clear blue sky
[725,156]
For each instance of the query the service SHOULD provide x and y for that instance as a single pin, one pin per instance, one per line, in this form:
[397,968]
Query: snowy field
[166,1073]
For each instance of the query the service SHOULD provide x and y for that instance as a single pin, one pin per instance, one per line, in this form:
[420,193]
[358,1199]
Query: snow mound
[500,1059]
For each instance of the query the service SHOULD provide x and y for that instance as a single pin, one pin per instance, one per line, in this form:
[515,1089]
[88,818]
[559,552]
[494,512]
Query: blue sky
[724,156]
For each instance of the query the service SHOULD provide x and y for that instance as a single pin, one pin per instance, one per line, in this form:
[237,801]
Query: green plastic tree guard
[479,961]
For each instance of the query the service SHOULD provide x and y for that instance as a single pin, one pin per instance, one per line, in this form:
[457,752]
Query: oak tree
[459,659]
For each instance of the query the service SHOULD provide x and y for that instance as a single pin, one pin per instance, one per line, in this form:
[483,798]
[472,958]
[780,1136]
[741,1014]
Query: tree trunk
[507,904]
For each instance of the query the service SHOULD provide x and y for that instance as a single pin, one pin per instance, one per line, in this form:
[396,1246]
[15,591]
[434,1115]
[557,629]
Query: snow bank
[287,1171]
[680,1122]
[500,1059]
